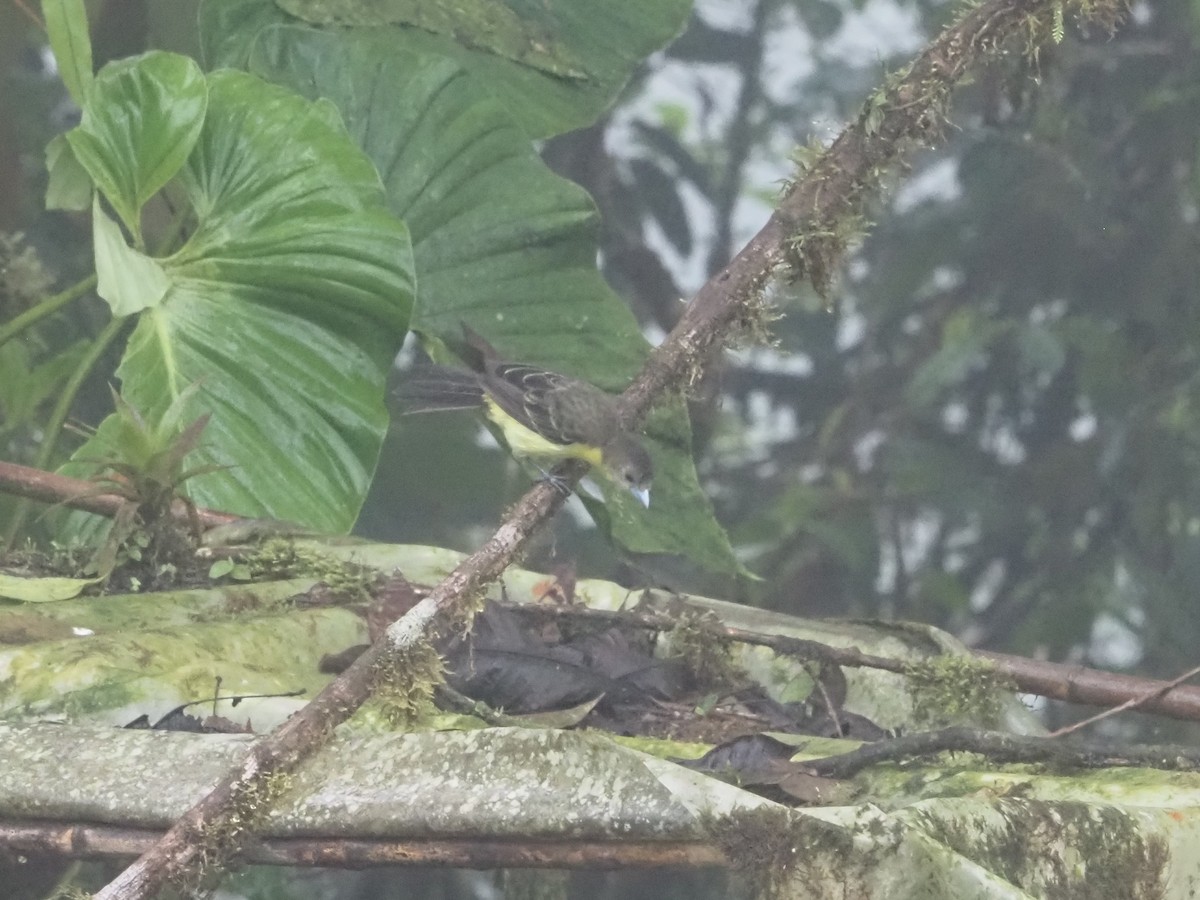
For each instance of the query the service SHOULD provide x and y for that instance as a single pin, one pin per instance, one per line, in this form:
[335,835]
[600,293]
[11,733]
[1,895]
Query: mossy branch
[821,209]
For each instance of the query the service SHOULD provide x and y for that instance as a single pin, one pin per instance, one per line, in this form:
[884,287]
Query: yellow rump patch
[525,441]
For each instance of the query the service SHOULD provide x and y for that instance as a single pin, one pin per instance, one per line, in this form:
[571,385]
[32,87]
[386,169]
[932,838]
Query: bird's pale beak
[643,495]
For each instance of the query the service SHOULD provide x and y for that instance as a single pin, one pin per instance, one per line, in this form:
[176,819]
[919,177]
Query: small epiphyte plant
[145,467]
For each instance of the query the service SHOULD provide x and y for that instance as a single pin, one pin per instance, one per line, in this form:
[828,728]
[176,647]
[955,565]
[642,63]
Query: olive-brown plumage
[542,414]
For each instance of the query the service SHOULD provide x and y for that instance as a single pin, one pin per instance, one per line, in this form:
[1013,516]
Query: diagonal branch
[809,229]
[807,233]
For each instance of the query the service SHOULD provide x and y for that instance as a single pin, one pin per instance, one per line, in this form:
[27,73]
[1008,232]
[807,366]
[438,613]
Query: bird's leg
[555,481]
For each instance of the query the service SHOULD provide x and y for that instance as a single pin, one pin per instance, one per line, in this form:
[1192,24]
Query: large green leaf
[555,64]
[229,28]
[67,28]
[500,242]
[127,278]
[286,305]
[141,120]
[69,185]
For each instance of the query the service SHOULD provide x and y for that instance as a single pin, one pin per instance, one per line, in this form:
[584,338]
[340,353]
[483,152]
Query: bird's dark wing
[534,397]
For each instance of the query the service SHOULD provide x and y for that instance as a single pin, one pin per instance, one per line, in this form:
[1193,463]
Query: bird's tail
[477,352]
[436,388]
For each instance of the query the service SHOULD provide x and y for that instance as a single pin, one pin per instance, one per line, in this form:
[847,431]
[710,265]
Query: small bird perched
[543,415]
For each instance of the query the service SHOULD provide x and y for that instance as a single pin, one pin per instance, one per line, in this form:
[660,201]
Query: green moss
[219,842]
[405,682]
[824,201]
[957,689]
[772,847]
[761,846]
[707,655]
[282,558]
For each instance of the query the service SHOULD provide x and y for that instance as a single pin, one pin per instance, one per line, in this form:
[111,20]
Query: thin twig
[1001,747]
[830,706]
[30,14]
[1132,703]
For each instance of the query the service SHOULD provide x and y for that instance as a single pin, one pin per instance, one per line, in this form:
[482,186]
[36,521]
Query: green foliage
[32,372]
[555,66]
[283,282]
[70,185]
[26,384]
[146,459]
[141,119]
[285,303]
[143,462]
[459,172]
[67,28]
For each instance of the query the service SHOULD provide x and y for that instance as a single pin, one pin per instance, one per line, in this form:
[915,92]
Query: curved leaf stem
[59,415]
[47,307]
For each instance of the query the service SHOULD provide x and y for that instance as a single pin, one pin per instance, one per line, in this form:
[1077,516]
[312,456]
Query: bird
[542,415]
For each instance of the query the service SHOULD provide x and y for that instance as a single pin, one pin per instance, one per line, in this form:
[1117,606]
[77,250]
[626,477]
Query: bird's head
[629,465]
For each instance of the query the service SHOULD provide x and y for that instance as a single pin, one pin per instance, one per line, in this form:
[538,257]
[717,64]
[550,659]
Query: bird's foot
[557,482]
